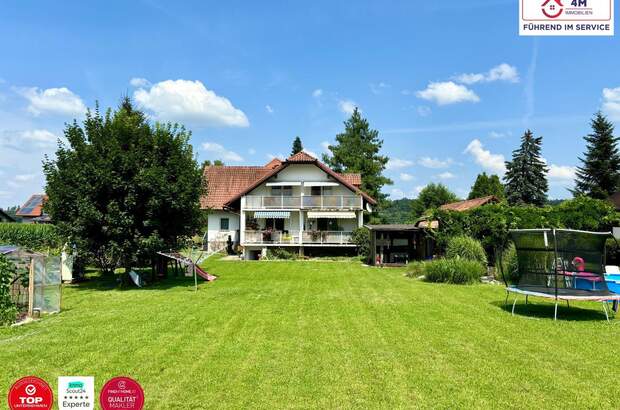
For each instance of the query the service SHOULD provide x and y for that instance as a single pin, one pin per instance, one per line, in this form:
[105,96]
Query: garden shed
[398,244]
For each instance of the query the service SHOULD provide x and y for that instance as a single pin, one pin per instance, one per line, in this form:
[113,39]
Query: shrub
[8,310]
[507,264]
[415,269]
[280,254]
[361,238]
[459,271]
[466,247]
[31,236]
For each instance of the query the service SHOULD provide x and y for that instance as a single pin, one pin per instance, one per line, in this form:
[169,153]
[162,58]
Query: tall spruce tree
[486,185]
[599,176]
[297,146]
[357,150]
[526,174]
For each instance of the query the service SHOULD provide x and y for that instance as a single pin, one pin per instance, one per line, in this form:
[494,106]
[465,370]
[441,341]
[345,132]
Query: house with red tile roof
[32,210]
[298,203]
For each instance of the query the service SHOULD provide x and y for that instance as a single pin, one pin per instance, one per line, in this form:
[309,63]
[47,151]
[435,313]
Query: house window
[281,191]
[328,224]
[315,190]
[224,224]
[276,224]
[327,190]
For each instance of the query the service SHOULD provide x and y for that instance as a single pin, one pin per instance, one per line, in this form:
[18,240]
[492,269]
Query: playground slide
[136,279]
[204,274]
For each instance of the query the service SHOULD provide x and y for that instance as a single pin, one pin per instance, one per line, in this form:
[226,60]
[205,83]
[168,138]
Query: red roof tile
[469,204]
[353,179]
[301,156]
[274,163]
[33,206]
[225,182]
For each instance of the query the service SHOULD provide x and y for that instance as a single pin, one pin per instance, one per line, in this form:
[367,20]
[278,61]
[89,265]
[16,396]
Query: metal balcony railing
[303,202]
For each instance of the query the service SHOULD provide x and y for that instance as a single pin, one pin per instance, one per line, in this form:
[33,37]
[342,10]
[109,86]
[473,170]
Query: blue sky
[450,85]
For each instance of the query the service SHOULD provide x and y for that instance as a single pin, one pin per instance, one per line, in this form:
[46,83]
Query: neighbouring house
[300,204]
[615,200]
[469,204]
[4,217]
[398,244]
[32,210]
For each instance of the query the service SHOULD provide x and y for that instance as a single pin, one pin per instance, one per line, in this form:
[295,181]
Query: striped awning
[335,215]
[272,214]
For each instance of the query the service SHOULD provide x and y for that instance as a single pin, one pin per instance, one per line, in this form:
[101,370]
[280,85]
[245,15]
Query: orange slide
[204,274]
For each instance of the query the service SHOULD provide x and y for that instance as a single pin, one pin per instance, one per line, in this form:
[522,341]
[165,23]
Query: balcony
[268,237]
[303,202]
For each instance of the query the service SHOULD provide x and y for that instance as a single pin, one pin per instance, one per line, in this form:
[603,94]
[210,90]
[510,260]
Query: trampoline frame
[604,299]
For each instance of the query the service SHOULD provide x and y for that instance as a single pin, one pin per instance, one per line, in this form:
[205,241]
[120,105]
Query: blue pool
[613,282]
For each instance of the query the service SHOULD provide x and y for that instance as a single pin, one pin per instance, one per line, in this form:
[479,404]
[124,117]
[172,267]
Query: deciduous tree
[123,188]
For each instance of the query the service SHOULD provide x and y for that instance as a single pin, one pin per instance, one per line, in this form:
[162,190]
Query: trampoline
[560,264]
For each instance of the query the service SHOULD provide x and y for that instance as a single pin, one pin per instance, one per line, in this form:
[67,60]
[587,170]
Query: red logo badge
[121,393]
[30,393]
[552,8]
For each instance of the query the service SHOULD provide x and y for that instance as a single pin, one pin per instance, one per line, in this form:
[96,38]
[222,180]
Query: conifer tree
[526,174]
[297,146]
[357,150]
[599,175]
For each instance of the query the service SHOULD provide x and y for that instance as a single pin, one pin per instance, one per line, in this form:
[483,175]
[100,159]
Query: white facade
[301,206]
[217,236]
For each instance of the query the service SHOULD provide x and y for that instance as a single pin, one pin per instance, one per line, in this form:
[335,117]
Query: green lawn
[323,335]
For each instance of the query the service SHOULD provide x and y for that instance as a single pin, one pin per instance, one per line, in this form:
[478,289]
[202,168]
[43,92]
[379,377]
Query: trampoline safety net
[561,262]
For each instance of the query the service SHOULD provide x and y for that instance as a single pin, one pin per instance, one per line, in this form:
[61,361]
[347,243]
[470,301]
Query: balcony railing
[266,237]
[303,202]
[272,237]
[326,237]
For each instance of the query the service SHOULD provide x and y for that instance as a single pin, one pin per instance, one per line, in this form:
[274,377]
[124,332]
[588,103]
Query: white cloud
[378,87]
[561,173]
[38,138]
[444,93]
[347,106]
[496,134]
[446,175]
[396,193]
[311,153]
[317,93]
[419,188]
[278,156]
[435,163]
[486,159]
[25,177]
[396,163]
[325,146]
[139,82]
[611,103]
[219,152]
[424,110]
[61,101]
[502,72]
[269,109]
[189,102]
[406,177]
